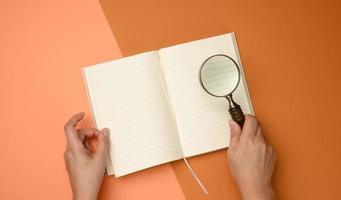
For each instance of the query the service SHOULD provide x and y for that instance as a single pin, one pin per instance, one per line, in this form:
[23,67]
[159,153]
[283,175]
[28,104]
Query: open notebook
[155,107]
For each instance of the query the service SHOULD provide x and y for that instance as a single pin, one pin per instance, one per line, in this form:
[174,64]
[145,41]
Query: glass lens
[220,75]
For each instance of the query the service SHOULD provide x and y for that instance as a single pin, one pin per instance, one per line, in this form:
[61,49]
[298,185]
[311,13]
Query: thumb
[103,144]
[235,133]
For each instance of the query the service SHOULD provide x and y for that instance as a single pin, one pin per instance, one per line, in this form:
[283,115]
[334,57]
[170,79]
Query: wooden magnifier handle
[235,111]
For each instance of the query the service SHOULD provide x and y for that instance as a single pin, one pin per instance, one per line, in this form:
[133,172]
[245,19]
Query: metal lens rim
[201,71]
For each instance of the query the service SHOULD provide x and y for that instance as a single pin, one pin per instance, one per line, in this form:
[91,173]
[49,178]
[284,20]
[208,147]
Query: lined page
[202,120]
[127,97]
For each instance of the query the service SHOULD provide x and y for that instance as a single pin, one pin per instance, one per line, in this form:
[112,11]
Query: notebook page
[127,97]
[202,120]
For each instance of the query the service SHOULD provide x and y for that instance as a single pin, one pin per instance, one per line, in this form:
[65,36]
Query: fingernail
[231,123]
[106,131]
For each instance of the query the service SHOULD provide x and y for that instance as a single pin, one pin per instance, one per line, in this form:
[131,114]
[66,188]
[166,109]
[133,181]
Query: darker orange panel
[290,51]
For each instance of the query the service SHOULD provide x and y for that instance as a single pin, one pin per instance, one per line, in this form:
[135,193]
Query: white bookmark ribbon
[196,177]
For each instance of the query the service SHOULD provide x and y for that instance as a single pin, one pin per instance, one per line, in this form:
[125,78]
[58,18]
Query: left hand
[85,165]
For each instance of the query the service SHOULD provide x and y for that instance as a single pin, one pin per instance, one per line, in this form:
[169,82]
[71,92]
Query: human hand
[251,160]
[85,165]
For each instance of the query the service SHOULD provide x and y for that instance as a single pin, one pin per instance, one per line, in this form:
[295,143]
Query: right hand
[251,160]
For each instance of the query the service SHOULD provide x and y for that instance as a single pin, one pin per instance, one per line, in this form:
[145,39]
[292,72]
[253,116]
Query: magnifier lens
[219,75]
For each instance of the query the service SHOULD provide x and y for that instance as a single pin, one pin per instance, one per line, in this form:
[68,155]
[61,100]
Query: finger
[259,134]
[70,130]
[103,144]
[73,121]
[235,134]
[88,145]
[88,133]
[250,127]
[274,156]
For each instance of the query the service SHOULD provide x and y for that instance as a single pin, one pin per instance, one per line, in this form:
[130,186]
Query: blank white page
[127,97]
[202,120]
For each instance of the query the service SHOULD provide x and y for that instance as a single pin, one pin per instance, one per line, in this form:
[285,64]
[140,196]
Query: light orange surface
[291,55]
[43,46]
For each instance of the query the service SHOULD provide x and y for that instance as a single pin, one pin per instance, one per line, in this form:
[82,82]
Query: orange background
[291,55]
[290,52]
[43,46]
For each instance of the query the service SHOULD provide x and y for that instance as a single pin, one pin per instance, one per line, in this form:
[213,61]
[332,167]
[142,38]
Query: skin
[84,164]
[251,159]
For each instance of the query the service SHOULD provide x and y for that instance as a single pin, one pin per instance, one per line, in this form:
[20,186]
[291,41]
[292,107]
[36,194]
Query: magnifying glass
[220,76]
